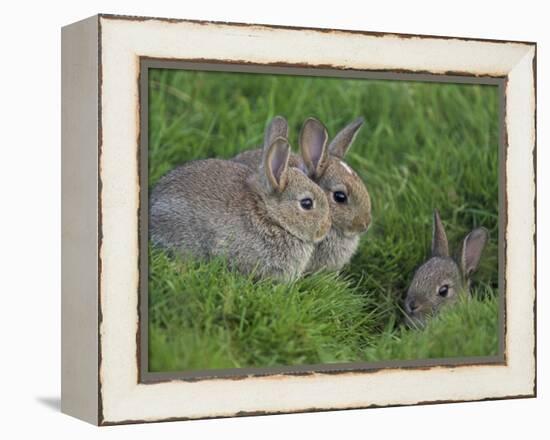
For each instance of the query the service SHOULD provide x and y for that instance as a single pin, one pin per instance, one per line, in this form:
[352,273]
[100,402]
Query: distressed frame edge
[535,201]
[128,17]
[532,115]
[314,410]
[102,421]
[80,221]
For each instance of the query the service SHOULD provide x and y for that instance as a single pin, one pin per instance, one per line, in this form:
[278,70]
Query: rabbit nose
[411,306]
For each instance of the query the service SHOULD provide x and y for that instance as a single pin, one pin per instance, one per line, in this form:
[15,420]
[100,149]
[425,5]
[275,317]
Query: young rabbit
[442,280]
[266,222]
[348,198]
[277,127]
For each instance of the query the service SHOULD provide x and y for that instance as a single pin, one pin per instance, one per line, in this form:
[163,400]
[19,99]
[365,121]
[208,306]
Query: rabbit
[349,200]
[441,280]
[277,127]
[265,223]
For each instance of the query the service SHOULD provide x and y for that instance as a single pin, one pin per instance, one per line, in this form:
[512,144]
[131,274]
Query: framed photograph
[264,219]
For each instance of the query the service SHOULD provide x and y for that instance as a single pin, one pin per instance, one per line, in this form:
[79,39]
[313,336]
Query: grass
[423,146]
[209,315]
[468,329]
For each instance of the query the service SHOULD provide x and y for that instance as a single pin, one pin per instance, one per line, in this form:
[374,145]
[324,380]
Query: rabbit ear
[472,248]
[276,164]
[440,246]
[343,140]
[313,143]
[278,127]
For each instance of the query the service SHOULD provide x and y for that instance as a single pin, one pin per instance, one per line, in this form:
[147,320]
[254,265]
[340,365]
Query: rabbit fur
[325,166]
[213,207]
[441,280]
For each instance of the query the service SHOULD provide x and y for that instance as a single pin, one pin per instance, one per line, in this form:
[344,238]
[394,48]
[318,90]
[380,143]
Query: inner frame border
[142,340]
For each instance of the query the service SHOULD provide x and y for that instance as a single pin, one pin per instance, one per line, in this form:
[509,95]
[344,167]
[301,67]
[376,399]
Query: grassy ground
[423,146]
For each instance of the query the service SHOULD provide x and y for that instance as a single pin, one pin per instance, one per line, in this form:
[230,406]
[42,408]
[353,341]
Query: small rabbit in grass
[442,280]
[348,198]
[266,222]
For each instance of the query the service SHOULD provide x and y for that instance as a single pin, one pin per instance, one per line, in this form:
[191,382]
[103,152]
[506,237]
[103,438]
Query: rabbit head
[442,280]
[290,199]
[348,198]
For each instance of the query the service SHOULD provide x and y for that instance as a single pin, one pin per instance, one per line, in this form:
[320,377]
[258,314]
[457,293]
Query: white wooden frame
[101,200]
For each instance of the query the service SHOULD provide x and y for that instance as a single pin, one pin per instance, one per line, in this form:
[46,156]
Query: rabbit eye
[306,203]
[340,197]
[443,291]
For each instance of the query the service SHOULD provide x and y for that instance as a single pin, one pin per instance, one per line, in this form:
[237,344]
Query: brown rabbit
[266,222]
[349,200]
[441,280]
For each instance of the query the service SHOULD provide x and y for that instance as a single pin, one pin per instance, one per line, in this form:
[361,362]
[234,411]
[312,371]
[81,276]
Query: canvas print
[305,220]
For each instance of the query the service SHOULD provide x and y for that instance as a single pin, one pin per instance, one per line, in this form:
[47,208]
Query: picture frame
[105,59]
